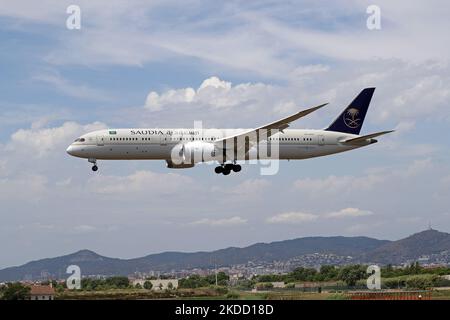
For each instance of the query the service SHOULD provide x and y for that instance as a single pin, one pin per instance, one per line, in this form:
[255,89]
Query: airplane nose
[69,150]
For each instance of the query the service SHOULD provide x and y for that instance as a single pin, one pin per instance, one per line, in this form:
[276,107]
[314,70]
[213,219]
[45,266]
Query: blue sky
[246,64]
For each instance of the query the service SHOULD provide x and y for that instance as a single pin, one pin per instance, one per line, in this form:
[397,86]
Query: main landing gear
[226,169]
[93,161]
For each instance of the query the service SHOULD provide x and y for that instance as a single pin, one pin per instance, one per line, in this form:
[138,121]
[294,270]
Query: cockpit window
[80,140]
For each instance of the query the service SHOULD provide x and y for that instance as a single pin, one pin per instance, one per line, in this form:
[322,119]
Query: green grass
[212,294]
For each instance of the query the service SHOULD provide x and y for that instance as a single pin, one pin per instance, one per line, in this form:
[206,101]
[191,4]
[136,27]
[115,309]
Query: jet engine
[193,152]
[172,165]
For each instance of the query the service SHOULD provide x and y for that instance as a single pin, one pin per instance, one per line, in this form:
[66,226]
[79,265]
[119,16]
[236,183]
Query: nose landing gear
[93,161]
[226,169]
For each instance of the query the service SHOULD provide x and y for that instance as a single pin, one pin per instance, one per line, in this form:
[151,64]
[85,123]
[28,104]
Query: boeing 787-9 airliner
[183,148]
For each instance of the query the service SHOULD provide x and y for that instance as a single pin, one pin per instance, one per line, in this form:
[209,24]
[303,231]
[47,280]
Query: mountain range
[361,249]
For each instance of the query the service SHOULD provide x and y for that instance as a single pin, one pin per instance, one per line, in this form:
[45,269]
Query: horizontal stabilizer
[362,139]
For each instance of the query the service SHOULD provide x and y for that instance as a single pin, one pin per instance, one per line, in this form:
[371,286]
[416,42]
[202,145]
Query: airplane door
[100,140]
[163,139]
[321,140]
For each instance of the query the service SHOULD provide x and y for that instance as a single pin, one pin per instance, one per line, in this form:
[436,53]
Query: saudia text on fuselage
[164,132]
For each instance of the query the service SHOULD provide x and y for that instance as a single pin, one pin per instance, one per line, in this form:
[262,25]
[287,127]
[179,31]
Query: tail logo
[351,119]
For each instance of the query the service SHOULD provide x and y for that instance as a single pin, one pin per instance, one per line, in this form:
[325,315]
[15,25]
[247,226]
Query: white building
[42,293]
[159,284]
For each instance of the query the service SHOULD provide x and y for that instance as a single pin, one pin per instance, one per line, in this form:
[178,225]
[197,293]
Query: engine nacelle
[171,165]
[193,152]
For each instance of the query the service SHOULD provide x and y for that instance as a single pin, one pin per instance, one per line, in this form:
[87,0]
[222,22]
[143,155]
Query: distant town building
[39,292]
[278,284]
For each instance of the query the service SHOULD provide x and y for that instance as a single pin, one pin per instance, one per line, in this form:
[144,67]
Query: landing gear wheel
[229,166]
[218,169]
[226,172]
[94,162]
[237,168]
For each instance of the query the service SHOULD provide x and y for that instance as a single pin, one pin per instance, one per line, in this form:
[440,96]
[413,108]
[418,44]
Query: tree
[264,286]
[195,281]
[222,279]
[148,285]
[170,286]
[138,286]
[270,278]
[118,282]
[15,291]
[351,274]
[246,284]
[327,273]
[303,274]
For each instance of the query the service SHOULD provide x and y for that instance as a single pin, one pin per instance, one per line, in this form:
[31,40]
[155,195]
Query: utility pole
[216,274]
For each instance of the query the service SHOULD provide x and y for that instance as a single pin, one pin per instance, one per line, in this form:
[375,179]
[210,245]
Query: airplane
[184,148]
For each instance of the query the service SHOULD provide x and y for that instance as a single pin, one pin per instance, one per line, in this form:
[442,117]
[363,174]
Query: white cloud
[425,97]
[154,102]
[226,222]
[26,187]
[417,167]
[349,212]
[43,141]
[292,217]
[309,70]
[212,93]
[374,178]
[302,217]
[55,80]
[140,183]
[337,184]
[405,126]
[84,228]
[364,228]
[269,44]
[247,188]
[399,101]
[3,167]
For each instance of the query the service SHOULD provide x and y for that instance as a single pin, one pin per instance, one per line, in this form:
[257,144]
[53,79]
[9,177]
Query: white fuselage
[158,144]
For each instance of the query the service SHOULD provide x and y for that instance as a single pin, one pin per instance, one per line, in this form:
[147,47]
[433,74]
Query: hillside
[419,244]
[363,249]
[93,264]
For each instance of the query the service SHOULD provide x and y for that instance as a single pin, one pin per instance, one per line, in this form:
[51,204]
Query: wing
[268,129]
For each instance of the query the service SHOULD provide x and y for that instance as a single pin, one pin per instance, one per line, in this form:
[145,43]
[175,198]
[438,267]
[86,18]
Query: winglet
[284,123]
